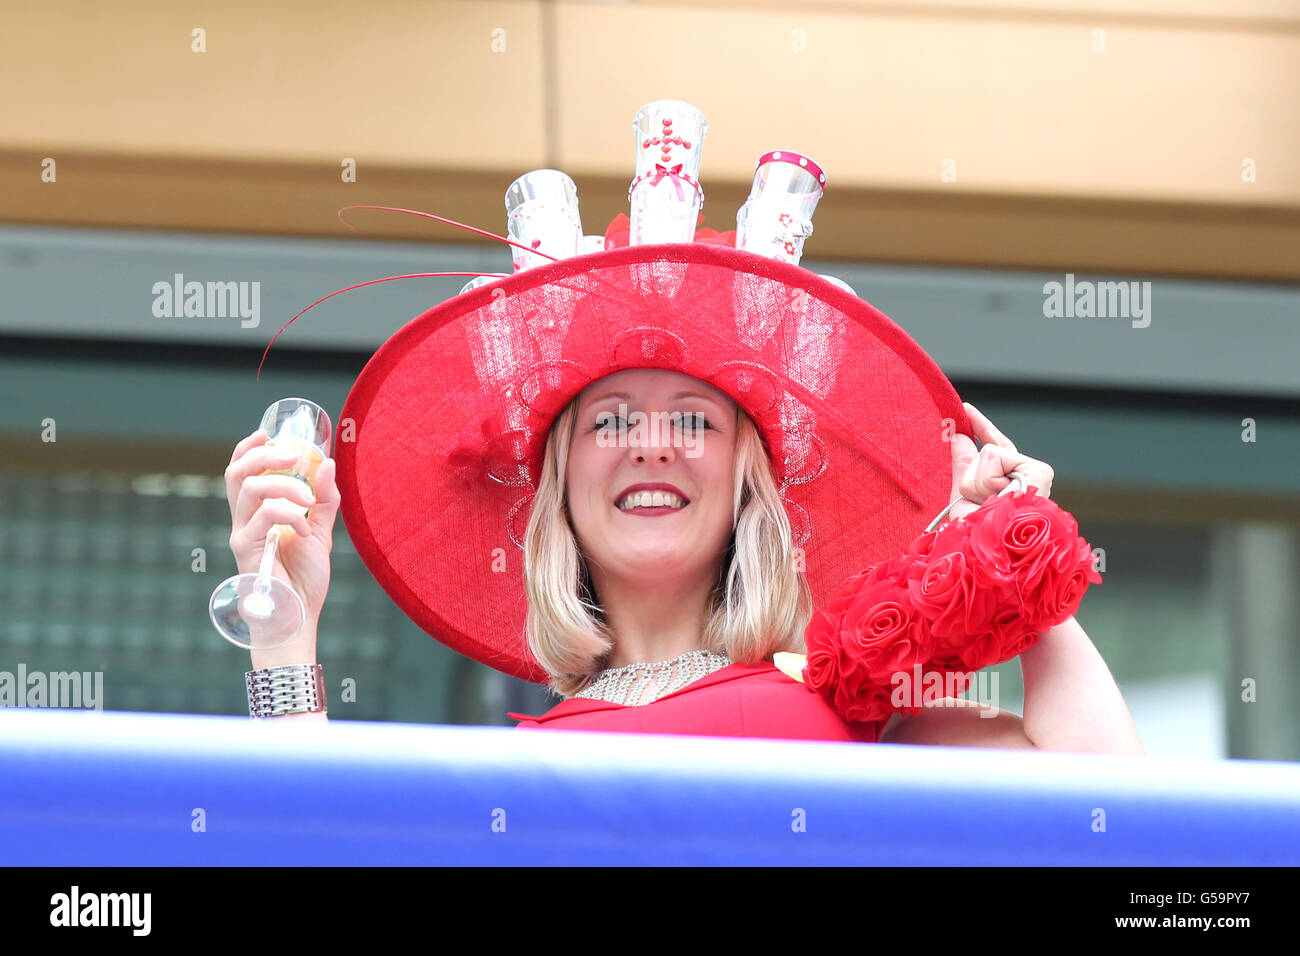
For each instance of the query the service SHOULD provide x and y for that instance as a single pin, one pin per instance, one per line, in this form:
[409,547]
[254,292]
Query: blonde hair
[761,602]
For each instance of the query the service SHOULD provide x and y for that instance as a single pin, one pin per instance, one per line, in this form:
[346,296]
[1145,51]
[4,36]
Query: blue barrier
[101,789]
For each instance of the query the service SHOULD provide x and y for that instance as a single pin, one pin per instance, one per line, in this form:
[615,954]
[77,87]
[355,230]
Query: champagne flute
[256,611]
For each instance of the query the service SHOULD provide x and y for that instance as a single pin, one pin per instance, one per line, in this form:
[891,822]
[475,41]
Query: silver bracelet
[1016,479]
[287,689]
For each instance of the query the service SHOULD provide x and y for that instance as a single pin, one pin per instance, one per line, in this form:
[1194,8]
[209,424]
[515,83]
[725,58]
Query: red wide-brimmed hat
[441,438]
[450,418]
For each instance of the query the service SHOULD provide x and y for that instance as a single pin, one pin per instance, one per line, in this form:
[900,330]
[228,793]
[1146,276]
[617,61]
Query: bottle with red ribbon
[665,195]
[777,217]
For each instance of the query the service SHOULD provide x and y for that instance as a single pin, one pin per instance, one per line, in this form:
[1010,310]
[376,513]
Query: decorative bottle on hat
[542,213]
[777,216]
[665,195]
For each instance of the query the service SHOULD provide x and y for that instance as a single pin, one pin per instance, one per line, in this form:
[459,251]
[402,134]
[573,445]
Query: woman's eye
[616,422]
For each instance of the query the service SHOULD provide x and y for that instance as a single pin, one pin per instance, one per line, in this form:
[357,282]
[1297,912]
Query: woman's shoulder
[740,700]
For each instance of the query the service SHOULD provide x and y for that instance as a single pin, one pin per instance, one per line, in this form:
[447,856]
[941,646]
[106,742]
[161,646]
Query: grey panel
[1240,338]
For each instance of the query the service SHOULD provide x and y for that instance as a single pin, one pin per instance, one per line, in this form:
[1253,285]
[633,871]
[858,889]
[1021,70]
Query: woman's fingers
[259,488]
[251,464]
[326,507]
[963,453]
[985,430]
[234,476]
[258,459]
[986,474]
[258,437]
[250,537]
[978,475]
[969,485]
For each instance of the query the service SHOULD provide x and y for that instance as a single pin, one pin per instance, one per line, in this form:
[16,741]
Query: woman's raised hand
[978,474]
[257,502]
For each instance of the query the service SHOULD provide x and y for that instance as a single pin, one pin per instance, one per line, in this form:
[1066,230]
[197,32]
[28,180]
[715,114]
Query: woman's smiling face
[652,427]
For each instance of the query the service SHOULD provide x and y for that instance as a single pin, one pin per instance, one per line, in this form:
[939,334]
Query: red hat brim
[441,437]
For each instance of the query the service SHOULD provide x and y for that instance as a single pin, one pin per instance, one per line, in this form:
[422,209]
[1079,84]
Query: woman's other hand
[978,474]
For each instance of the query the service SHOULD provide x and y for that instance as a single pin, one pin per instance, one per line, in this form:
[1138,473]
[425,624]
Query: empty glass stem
[268,560]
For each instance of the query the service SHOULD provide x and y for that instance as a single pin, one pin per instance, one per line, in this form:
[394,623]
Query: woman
[705,581]
[491,475]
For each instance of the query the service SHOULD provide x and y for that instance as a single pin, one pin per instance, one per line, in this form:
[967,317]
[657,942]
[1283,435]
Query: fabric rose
[822,668]
[864,703]
[1019,536]
[898,569]
[981,652]
[948,595]
[923,545]
[1061,597]
[1017,643]
[881,572]
[977,592]
[946,656]
[885,634]
[990,646]
[848,591]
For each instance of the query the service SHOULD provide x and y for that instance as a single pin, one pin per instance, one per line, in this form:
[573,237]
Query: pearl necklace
[644,683]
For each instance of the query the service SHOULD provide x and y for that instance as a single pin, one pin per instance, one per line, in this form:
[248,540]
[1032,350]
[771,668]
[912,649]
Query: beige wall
[1128,159]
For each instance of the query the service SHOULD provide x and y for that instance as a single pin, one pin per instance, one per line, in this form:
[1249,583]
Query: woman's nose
[662,450]
[658,438]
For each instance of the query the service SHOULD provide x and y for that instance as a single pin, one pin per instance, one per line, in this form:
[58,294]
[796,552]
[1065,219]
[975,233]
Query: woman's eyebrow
[688,393]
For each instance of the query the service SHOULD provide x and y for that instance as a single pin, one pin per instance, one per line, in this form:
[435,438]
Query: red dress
[740,700]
